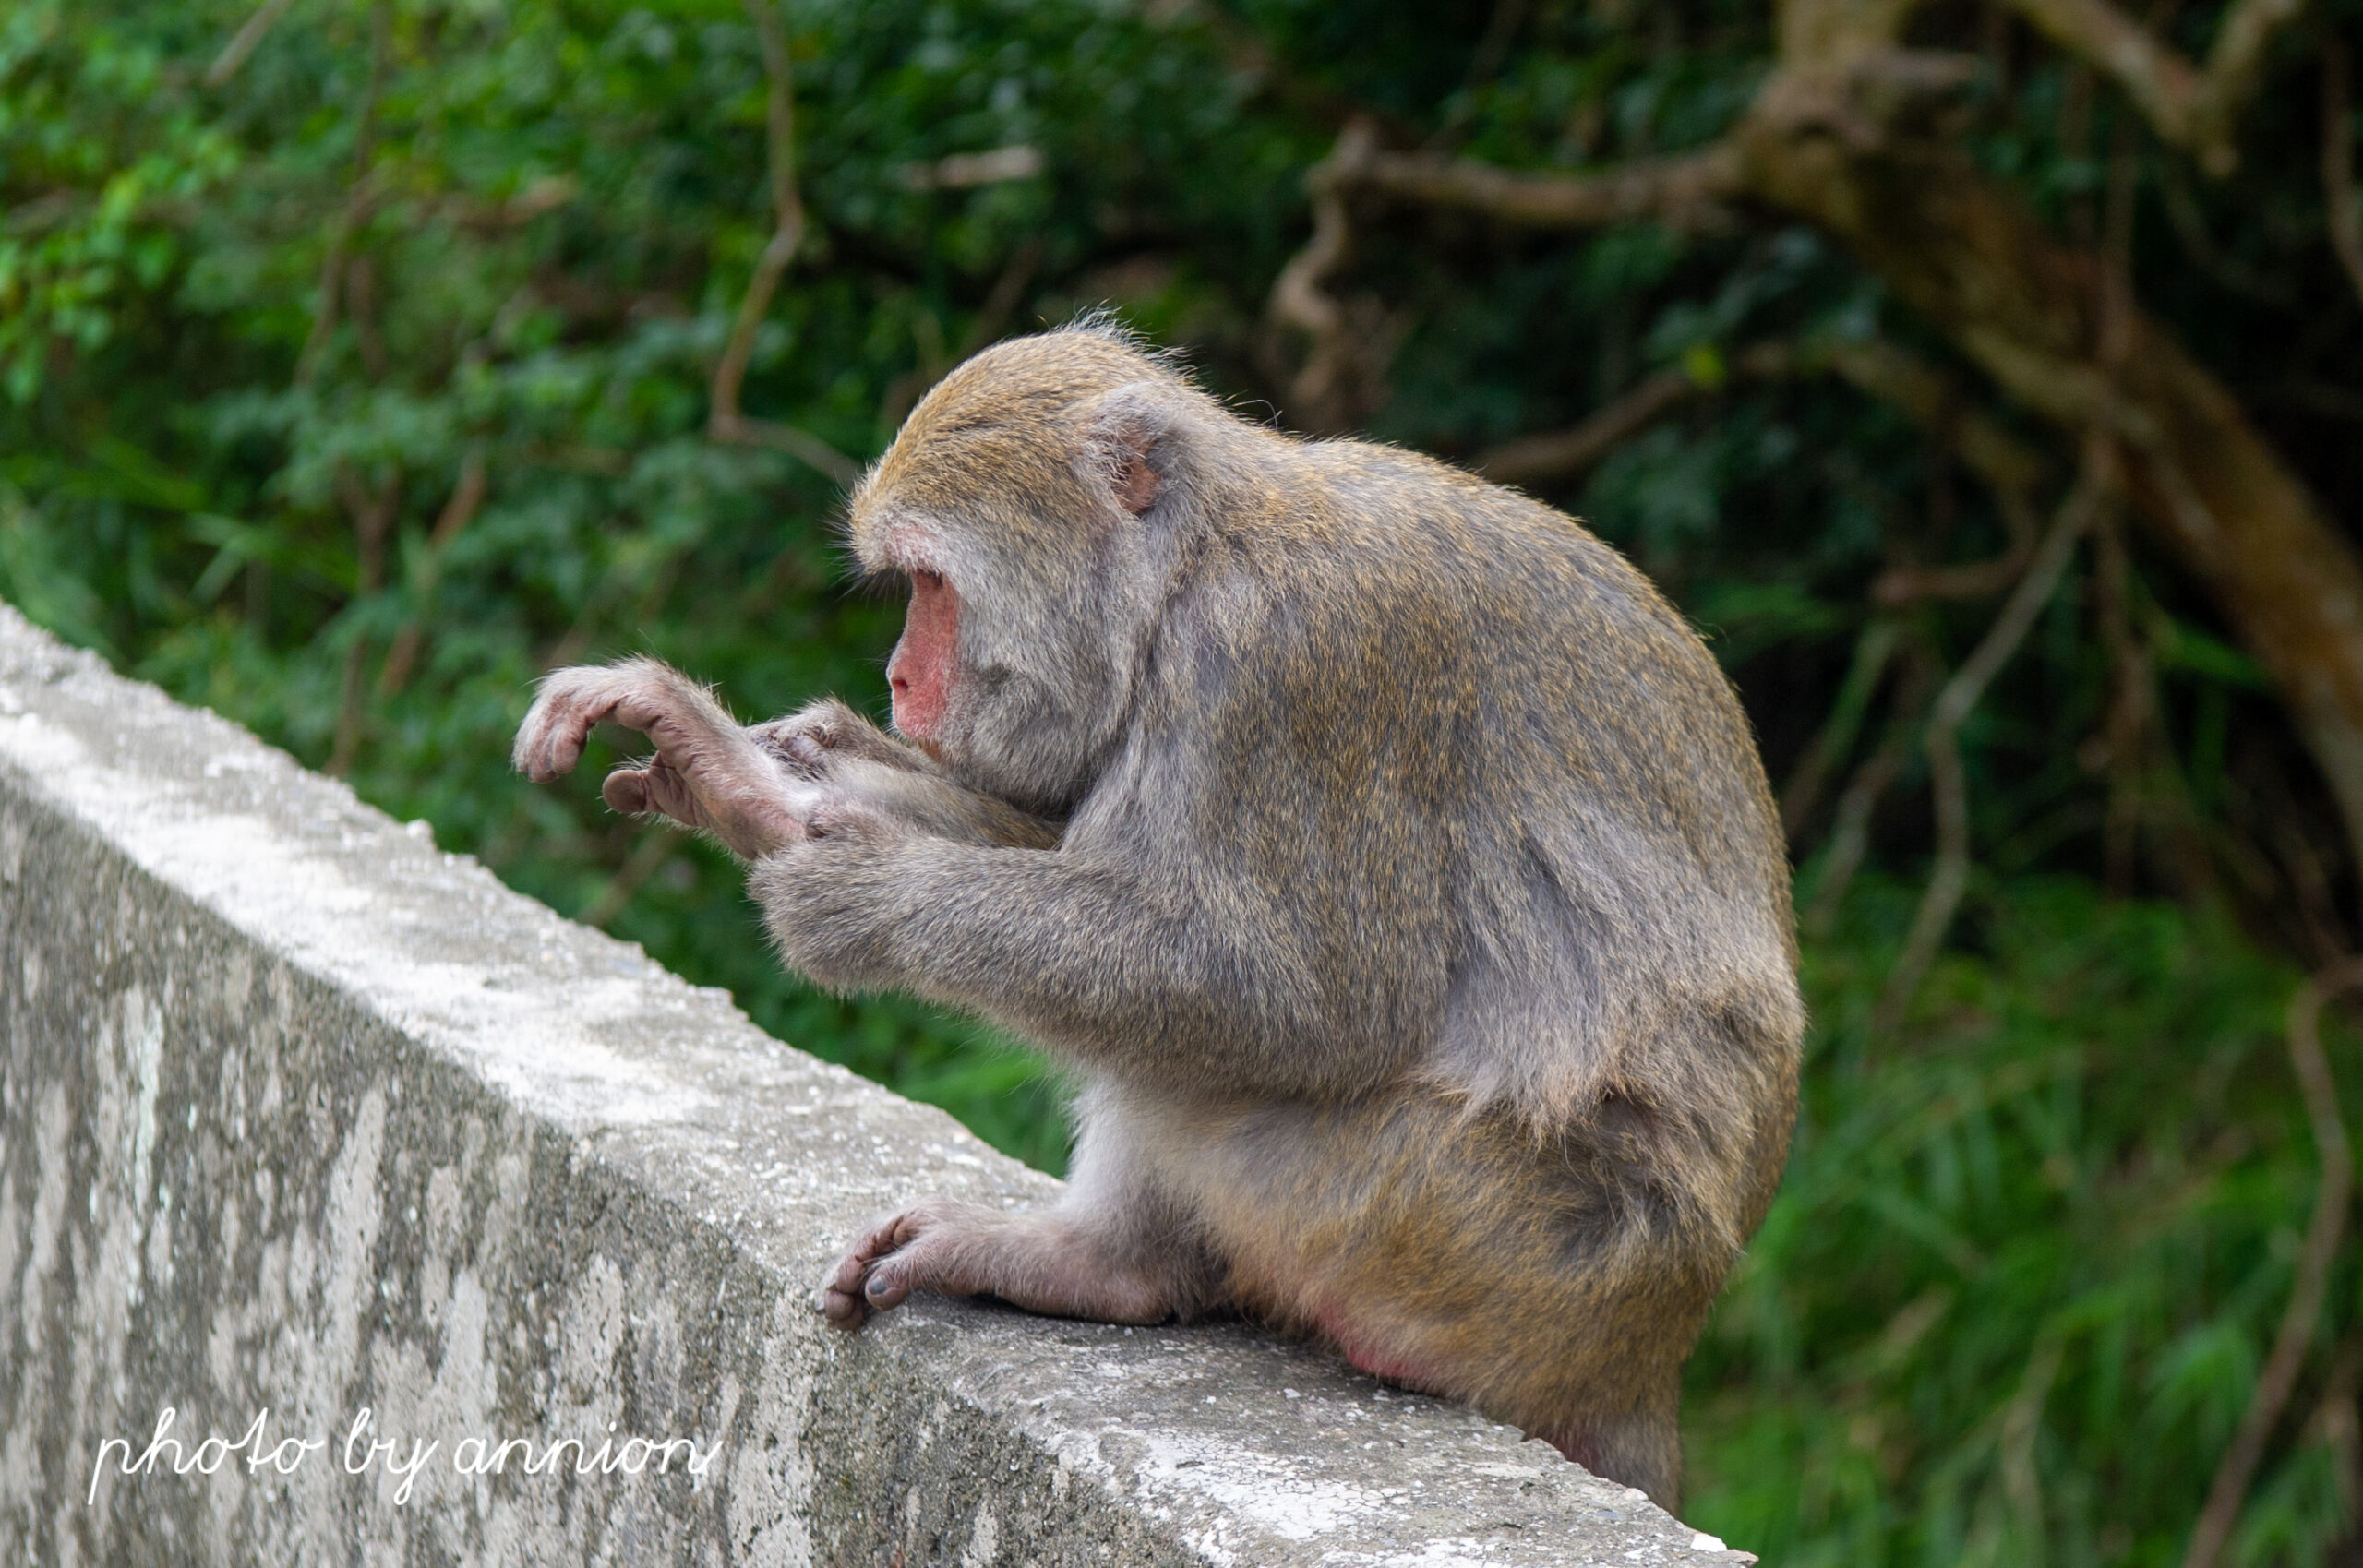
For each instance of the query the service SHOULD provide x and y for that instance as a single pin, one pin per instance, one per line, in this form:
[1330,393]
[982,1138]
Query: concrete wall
[300,1116]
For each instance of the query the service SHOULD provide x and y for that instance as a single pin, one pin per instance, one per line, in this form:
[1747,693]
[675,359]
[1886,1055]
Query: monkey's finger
[690,727]
[878,1238]
[807,752]
[626,790]
[840,1298]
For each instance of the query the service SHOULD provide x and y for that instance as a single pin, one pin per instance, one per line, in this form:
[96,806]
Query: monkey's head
[1031,502]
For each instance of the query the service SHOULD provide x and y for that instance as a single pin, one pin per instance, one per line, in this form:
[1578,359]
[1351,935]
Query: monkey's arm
[1204,988]
[754,788]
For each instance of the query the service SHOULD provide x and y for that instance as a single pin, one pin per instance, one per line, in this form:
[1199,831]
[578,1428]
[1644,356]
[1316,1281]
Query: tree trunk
[1965,252]
[1847,134]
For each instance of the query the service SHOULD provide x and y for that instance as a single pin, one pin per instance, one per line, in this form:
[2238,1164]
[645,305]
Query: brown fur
[1390,860]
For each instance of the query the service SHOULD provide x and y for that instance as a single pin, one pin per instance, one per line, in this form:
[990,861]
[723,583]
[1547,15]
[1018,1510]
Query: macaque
[1392,865]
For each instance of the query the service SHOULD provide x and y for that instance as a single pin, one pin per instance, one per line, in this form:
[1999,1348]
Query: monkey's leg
[831,745]
[1556,1283]
[1114,1249]
[815,736]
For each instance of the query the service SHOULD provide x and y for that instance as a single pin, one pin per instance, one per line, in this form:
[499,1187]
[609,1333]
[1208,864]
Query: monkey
[1391,863]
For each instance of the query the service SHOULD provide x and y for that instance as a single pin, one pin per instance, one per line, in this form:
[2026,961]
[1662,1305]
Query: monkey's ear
[1136,482]
[1128,425]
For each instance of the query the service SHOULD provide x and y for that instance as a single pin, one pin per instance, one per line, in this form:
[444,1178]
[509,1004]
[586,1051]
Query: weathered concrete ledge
[299,1116]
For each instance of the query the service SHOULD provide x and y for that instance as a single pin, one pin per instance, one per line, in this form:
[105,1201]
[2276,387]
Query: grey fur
[1392,861]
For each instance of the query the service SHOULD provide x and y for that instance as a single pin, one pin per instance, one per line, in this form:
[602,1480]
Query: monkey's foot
[808,743]
[885,1263]
[1042,1263]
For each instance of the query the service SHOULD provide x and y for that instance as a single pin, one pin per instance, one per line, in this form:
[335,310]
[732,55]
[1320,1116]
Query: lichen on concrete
[311,1133]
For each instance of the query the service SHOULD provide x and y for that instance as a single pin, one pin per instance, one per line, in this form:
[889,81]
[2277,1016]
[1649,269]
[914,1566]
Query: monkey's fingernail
[876,1287]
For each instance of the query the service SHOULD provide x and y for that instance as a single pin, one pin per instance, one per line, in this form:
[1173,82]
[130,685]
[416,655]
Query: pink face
[928,658]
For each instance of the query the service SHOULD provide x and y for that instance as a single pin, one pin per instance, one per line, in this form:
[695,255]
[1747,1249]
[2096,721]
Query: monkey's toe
[841,1308]
[808,750]
[857,1287]
[885,1287]
[840,1298]
[793,746]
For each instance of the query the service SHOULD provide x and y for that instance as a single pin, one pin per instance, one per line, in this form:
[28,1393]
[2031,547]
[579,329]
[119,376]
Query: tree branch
[2011,468]
[1563,454]
[1895,375]
[2160,83]
[1835,34]
[358,196]
[1884,371]
[1837,136]
[2298,1321]
[2230,273]
[1688,190]
[1970,579]
[1835,739]
[1297,298]
[2343,213]
[2190,107]
[2235,61]
[725,422]
[1949,879]
[1850,821]
[234,53]
[1321,392]
[1965,251]
[458,512]
[373,518]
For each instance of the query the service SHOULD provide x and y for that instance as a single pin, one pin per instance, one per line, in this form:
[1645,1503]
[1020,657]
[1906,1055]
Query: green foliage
[2033,1243]
[2015,1289]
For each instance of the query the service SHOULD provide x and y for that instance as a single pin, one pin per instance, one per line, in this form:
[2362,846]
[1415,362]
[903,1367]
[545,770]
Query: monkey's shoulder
[1377,554]
[1408,622]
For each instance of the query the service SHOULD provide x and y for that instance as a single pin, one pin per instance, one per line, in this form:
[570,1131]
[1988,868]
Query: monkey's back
[1503,748]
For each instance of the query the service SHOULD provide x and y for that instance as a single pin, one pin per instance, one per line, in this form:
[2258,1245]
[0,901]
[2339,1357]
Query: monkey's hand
[707,772]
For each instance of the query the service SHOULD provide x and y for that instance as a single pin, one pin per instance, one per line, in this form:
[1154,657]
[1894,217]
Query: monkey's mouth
[926,660]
